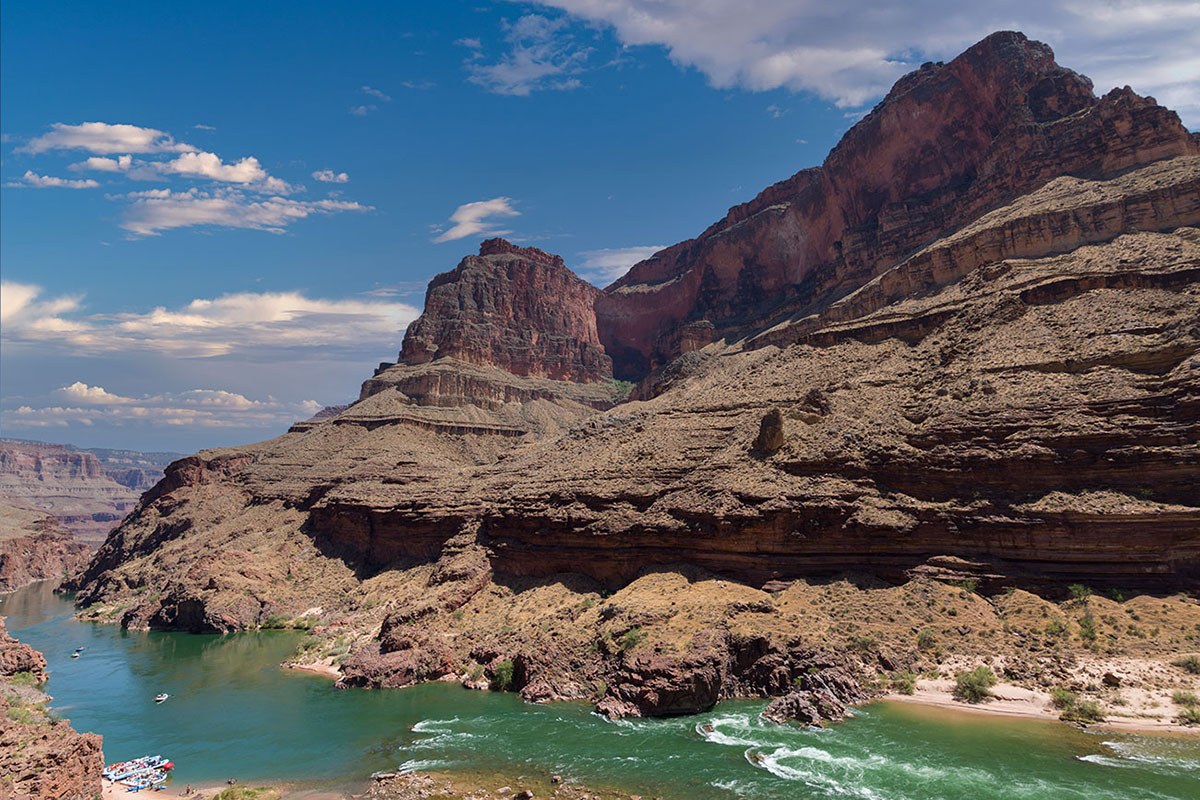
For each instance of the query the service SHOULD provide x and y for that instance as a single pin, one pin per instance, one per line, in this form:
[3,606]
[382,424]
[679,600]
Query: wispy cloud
[543,54]
[362,111]
[255,324]
[200,127]
[31,180]
[104,138]
[329,176]
[604,266]
[376,93]
[198,408]
[151,212]
[478,218]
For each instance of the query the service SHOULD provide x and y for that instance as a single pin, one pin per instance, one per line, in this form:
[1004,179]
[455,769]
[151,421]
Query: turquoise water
[234,713]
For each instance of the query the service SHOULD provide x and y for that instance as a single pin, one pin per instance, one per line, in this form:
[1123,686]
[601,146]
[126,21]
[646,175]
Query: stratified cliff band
[964,347]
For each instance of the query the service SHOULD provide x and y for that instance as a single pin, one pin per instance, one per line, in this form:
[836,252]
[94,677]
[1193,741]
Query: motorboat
[161,697]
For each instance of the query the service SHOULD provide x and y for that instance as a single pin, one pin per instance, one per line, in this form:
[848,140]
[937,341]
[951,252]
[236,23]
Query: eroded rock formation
[41,758]
[35,547]
[965,348]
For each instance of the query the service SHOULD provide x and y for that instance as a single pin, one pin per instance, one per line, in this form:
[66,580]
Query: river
[233,712]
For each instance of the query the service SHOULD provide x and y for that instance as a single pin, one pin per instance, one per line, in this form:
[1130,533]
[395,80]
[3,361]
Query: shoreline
[1017,702]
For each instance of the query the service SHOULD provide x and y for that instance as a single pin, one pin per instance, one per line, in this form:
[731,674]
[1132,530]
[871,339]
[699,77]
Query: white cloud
[472,44]
[80,392]
[162,209]
[194,408]
[478,218]
[248,323]
[104,164]
[542,54]
[201,127]
[373,92]
[329,176]
[104,138]
[604,266]
[32,180]
[362,111]
[246,171]
[851,52]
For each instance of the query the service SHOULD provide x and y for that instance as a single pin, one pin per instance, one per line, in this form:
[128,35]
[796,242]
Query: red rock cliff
[515,308]
[949,142]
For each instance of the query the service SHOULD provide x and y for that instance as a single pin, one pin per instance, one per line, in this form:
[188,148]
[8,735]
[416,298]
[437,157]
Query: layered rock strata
[35,547]
[965,349]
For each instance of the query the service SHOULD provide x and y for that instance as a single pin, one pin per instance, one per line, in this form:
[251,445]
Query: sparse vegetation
[904,682]
[246,793]
[1063,698]
[926,640]
[1189,663]
[502,676]
[1079,592]
[1190,715]
[23,679]
[631,639]
[1087,628]
[1085,711]
[974,686]
[1184,697]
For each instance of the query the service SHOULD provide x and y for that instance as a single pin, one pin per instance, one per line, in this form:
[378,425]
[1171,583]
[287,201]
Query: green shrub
[1063,698]
[1183,697]
[246,793]
[1079,591]
[969,585]
[631,639]
[926,640]
[1083,711]
[1056,628]
[904,682]
[24,678]
[1087,628]
[1190,715]
[974,686]
[1188,664]
[502,676]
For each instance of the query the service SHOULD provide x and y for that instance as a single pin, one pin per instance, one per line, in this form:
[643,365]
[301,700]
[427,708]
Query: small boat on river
[161,697]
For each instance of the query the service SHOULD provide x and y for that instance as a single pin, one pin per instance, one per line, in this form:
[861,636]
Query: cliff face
[948,143]
[35,547]
[966,348]
[514,308]
[88,491]
[40,758]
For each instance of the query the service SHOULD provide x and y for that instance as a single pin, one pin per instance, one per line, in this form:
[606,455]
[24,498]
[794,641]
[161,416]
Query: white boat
[75,654]
[161,698]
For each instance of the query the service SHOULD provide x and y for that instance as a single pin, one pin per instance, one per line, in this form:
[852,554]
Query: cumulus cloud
[247,171]
[851,52]
[248,323]
[105,164]
[156,210]
[542,54]
[329,176]
[478,218]
[604,266]
[80,392]
[32,180]
[196,408]
[104,138]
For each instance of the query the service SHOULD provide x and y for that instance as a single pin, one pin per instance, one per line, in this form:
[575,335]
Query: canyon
[88,491]
[924,386]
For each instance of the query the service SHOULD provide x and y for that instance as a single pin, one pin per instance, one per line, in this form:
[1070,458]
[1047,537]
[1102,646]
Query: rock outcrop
[949,143]
[35,547]
[518,309]
[41,758]
[970,339]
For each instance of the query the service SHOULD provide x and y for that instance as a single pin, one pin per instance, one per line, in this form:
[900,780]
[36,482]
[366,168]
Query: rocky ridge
[963,352]
[41,758]
[35,547]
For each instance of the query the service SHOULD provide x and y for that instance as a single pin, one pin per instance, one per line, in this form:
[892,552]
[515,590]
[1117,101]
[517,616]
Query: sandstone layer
[965,352]
[41,758]
[35,547]
[89,491]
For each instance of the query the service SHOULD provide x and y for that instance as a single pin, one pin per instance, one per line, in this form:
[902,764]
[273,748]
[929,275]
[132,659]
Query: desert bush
[1190,715]
[1184,697]
[631,639]
[1188,664]
[904,682]
[926,640]
[1083,711]
[1063,698]
[502,676]
[974,686]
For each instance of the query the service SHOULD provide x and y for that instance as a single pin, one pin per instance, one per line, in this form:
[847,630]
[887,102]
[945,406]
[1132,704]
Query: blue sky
[214,222]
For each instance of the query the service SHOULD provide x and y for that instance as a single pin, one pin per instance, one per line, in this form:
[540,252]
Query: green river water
[234,713]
